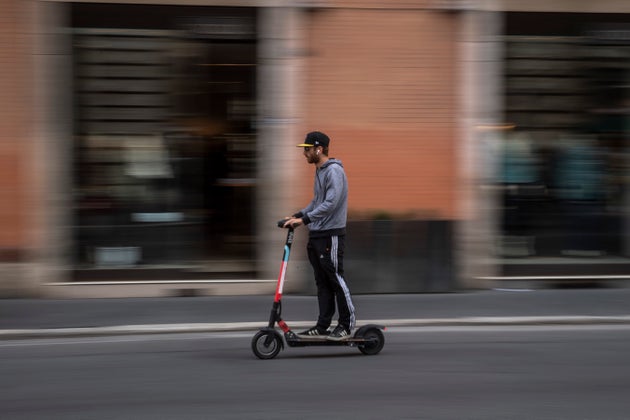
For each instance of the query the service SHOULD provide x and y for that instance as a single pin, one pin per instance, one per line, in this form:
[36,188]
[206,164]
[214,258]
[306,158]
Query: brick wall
[382,84]
[16,110]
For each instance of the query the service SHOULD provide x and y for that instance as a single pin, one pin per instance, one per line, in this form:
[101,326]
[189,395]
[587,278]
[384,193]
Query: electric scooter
[268,342]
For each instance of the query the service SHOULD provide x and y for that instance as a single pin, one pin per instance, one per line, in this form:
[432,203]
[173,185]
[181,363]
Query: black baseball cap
[315,138]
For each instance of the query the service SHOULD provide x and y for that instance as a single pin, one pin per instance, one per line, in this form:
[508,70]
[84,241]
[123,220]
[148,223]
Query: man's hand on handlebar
[293,222]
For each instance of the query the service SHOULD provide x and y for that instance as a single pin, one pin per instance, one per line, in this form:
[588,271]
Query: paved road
[484,373]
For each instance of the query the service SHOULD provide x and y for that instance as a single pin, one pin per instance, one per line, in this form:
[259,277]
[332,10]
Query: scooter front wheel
[374,342]
[266,344]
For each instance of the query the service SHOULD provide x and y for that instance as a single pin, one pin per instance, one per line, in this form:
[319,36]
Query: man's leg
[344,299]
[316,250]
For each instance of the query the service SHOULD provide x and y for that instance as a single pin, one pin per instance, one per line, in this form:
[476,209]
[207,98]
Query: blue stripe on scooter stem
[286,253]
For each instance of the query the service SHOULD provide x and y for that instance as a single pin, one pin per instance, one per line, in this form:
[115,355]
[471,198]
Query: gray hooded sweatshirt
[326,214]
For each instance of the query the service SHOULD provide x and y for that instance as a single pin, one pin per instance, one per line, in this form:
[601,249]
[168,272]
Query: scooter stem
[283,266]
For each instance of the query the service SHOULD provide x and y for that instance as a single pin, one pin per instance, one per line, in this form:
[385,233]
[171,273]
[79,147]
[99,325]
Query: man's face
[311,154]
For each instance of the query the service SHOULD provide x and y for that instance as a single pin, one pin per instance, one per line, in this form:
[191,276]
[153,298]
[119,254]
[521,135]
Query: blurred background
[154,144]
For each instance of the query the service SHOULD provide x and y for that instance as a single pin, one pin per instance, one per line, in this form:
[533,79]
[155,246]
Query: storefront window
[164,136]
[564,173]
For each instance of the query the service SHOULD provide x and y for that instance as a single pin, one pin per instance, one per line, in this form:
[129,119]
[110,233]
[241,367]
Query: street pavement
[32,318]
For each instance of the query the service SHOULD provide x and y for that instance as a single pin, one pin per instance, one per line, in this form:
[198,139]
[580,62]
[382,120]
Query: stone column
[280,45]
[53,135]
[480,124]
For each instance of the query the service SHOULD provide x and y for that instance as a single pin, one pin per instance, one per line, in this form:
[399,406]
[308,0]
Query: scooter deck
[303,342]
[325,339]
[294,340]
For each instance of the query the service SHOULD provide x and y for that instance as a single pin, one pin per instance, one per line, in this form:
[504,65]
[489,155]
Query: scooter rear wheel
[375,340]
[266,345]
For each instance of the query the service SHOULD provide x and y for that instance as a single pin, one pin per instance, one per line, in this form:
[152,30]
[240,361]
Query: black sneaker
[313,332]
[339,334]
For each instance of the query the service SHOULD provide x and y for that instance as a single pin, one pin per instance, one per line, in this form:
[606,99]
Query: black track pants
[326,257]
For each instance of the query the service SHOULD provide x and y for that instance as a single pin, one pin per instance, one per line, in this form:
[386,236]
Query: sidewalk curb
[251,326]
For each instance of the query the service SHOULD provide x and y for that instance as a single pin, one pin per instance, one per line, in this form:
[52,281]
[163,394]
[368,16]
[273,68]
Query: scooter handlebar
[282,222]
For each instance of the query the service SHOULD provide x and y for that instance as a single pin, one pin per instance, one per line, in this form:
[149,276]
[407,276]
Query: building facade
[148,147]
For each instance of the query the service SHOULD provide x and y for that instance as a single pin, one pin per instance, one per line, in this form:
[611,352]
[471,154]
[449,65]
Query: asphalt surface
[23,318]
[444,373]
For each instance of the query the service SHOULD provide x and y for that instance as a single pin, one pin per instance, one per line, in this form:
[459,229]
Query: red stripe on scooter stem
[283,270]
[280,285]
